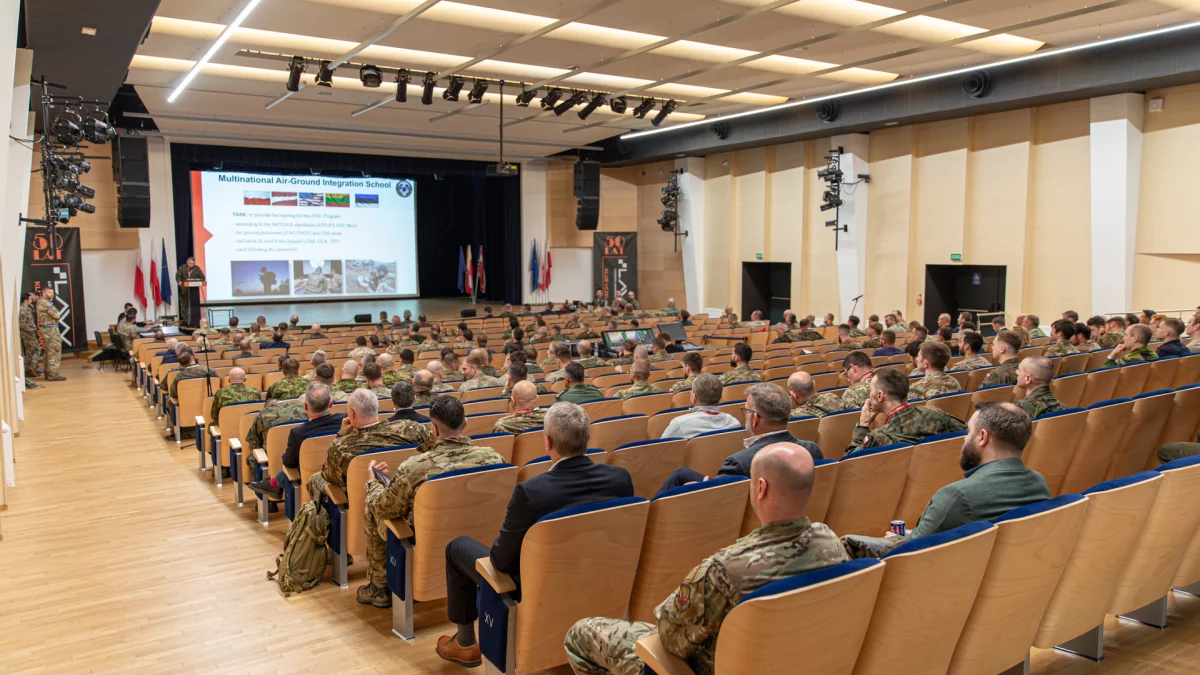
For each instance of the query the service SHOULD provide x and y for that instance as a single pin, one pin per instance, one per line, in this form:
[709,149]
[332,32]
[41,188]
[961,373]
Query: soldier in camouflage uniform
[856,368]
[47,319]
[971,344]
[1034,375]
[525,414]
[905,423]
[237,391]
[874,337]
[292,385]
[29,334]
[274,412]
[476,379]
[782,335]
[129,330]
[1132,350]
[1004,350]
[450,451]
[660,350]
[693,365]
[450,362]
[807,402]
[374,382]
[845,342]
[349,381]
[639,373]
[805,332]
[562,359]
[587,333]
[390,377]
[361,349]
[627,354]
[518,371]
[852,323]
[742,372]
[188,271]
[205,329]
[932,359]
[586,359]
[1114,333]
[689,620]
[1062,331]
[407,368]
[188,370]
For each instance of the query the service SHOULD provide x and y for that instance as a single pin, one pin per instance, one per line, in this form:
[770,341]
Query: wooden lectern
[192,288]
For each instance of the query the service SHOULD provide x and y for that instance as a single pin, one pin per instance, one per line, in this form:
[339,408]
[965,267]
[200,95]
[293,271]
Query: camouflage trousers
[52,340]
[598,646]
[377,532]
[29,343]
[1173,451]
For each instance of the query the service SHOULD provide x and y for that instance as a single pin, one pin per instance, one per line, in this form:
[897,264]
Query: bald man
[1034,375]
[438,370]
[349,381]
[586,358]
[525,414]
[670,309]
[237,391]
[639,375]
[689,620]
[808,402]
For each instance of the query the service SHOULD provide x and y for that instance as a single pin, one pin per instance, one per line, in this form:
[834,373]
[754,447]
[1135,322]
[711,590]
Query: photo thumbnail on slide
[259,278]
[317,277]
[370,276]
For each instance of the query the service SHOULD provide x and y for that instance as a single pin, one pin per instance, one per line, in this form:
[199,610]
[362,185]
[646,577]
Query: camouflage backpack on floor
[306,551]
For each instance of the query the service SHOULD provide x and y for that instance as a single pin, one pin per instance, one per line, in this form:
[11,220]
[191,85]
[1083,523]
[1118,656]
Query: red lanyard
[889,417]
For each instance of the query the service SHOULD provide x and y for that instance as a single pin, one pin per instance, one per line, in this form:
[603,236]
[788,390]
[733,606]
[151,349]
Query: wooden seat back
[230,418]
[834,432]
[824,481]
[540,465]
[977,377]
[934,465]
[1162,375]
[481,394]
[999,392]
[244,425]
[482,423]
[957,404]
[735,392]
[313,452]
[807,429]
[1031,549]
[1131,379]
[647,404]
[1052,446]
[502,442]
[1188,371]
[1101,436]
[357,477]
[1183,423]
[529,445]
[612,432]
[657,425]
[707,452]
[487,405]
[1142,429]
[275,442]
[1068,389]
[604,408]
[649,462]
[869,484]
[685,526]
[1074,363]
[1099,387]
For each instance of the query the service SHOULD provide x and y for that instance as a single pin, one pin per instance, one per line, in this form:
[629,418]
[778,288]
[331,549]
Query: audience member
[576,391]
[903,423]
[741,372]
[1134,349]
[704,415]
[807,402]
[932,360]
[1034,375]
[1005,349]
[971,345]
[639,375]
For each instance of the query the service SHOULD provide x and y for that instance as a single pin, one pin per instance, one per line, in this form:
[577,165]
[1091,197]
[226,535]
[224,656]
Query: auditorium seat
[1100,386]
[657,425]
[1031,549]
[1183,423]
[1068,389]
[934,465]
[835,432]
[270,377]
[735,409]
[993,393]
[1158,551]
[575,563]
[487,405]
[812,622]
[467,502]
[1188,372]
[646,404]
[869,485]
[1131,379]
[528,445]
[682,398]
[649,462]
[480,423]
[481,394]
[189,405]
[707,452]
[954,403]
[685,525]
[1071,364]
[963,377]
[1162,374]
[1142,429]
[609,433]
[314,450]
[605,381]
[221,448]
[1102,435]
[1096,359]
[928,588]
[607,407]
[806,429]
[355,497]
[824,482]
[1052,446]
[1074,618]
[977,377]
[500,441]
[540,465]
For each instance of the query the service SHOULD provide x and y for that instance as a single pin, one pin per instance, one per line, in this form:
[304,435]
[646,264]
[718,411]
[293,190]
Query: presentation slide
[265,236]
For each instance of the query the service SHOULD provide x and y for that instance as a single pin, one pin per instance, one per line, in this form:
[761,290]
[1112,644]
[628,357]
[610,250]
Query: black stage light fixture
[97,129]
[67,127]
[81,166]
[65,181]
[86,208]
[831,205]
[452,89]
[85,191]
[477,91]
[371,76]
[618,105]
[295,70]
[643,108]
[668,220]
[403,77]
[597,101]
[551,97]
[667,109]
[427,91]
[576,98]
[324,76]
[525,97]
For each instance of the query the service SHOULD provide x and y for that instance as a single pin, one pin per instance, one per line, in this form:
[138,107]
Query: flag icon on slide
[283,199]
[366,201]
[312,199]
[336,199]
[251,198]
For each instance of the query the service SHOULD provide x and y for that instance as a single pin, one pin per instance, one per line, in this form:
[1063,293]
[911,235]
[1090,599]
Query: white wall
[162,224]
[108,285]
[571,275]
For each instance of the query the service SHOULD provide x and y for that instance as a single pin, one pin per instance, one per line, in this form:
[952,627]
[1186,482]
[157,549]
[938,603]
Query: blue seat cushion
[1111,401]
[812,578]
[493,434]
[530,430]
[824,461]
[993,386]
[373,451]
[949,393]
[615,417]
[1120,482]
[875,451]
[940,538]
[651,441]
[673,410]
[1188,386]
[719,431]
[588,508]
[1156,392]
[1039,507]
[538,460]
[1180,463]
[470,470]
[700,485]
[941,437]
[1060,413]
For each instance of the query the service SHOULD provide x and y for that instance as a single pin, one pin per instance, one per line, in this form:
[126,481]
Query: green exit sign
[955,257]
[758,255]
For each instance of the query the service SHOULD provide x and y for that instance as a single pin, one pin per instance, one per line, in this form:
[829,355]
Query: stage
[342,312]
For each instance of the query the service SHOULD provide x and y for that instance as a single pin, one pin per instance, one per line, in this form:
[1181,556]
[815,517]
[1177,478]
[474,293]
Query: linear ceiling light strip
[212,50]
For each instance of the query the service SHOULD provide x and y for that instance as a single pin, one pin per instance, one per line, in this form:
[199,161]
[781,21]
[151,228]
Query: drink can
[898,528]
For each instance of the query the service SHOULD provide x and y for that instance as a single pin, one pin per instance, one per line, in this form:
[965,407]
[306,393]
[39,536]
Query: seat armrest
[336,494]
[399,528]
[214,432]
[651,650]
[199,419]
[260,456]
[292,474]
[234,444]
[499,581]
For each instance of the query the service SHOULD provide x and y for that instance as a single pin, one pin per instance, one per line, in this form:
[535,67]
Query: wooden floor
[118,556]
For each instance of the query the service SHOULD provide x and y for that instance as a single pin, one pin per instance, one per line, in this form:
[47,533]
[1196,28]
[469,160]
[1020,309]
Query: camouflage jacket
[1142,353]
[685,383]
[346,386]
[378,435]
[1039,402]
[128,331]
[588,335]
[1005,373]
[46,312]
[783,338]
[857,332]
[858,393]
[391,377]
[480,381]
[620,361]
[338,396]
[453,376]
[232,393]
[691,616]
[1060,349]
[933,384]
[591,362]
[849,345]
[29,324]
[507,391]
[1111,340]
[424,397]
[872,343]
[490,371]
[522,420]
[556,375]
[1089,347]
[359,352]
[548,363]
[740,375]
[292,386]
[396,500]
[806,336]
[205,331]
[906,424]
[274,412]
[406,372]
[657,357]
[638,389]
[191,372]
[1037,333]
[381,390]
[820,405]
[972,363]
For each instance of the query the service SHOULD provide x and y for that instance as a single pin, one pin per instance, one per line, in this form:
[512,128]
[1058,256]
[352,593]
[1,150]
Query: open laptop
[679,335]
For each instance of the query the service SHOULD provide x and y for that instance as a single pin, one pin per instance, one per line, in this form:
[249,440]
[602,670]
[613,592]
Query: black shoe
[264,487]
[272,507]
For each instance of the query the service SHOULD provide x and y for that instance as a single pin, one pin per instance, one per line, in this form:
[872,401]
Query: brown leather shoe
[467,657]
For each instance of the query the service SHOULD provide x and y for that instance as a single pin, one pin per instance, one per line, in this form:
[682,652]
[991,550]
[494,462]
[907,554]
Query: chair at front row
[575,563]
[812,622]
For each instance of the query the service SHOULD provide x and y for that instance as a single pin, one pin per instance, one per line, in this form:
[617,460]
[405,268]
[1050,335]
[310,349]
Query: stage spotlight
[525,97]
[86,208]
[295,70]
[643,108]
[65,181]
[477,91]
[85,191]
[73,202]
[427,92]
[668,220]
[667,109]
[831,205]
[67,127]
[324,76]
[81,166]
[551,97]
[597,101]
[403,77]
[618,105]
[576,98]
[452,89]
[97,130]
[371,76]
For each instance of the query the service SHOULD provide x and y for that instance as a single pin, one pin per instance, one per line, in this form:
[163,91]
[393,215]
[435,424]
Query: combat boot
[376,596]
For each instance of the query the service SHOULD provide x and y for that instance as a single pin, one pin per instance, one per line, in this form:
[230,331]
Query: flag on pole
[165,284]
[534,275]
[481,280]
[549,264]
[155,292]
[462,270]
[139,282]
[470,271]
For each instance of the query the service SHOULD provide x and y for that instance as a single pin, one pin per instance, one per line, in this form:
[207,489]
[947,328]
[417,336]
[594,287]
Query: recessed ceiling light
[88,30]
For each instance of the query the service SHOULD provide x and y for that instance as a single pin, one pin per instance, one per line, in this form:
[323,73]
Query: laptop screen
[675,330]
[615,339]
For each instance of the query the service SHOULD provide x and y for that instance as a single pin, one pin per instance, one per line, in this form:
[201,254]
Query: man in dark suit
[317,400]
[767,410]
[573,480]
[403,395]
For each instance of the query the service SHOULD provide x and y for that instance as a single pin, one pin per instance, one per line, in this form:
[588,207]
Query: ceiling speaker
[719,130]
[977,84]
[827,111]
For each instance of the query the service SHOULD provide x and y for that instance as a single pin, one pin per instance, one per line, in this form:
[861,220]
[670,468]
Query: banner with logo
[615,263]
[59,266]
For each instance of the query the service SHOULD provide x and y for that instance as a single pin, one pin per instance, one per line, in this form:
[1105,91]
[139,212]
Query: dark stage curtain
[457,205]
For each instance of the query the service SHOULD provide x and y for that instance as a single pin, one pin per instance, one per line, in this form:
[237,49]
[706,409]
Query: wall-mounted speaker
[131,173]
[719,130]
[827,111]
[977,84]
[587,195]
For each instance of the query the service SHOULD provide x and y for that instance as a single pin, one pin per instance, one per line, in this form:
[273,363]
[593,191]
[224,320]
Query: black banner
[615,263]
[60,267]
